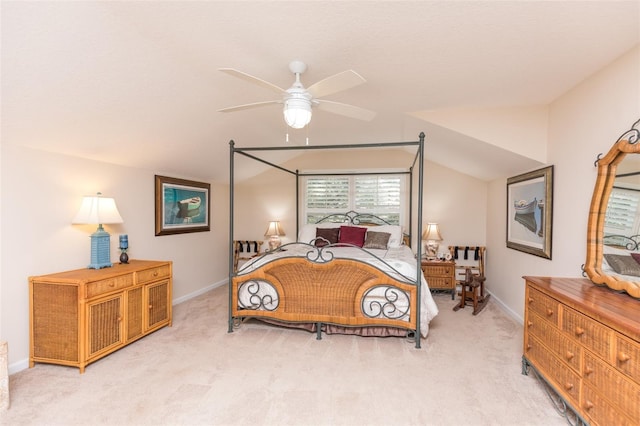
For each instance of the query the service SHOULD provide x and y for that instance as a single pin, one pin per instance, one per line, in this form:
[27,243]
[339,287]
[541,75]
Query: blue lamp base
[100,250]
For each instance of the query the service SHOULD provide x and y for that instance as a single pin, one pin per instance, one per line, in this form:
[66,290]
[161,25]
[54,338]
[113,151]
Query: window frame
[351,176]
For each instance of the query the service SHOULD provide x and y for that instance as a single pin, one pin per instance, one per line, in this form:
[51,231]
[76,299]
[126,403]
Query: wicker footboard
[342,292]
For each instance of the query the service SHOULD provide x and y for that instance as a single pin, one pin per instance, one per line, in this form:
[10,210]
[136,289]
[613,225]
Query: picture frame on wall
[181,206]
[530,212]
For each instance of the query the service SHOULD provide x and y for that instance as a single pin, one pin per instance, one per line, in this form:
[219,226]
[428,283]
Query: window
[381,195]
[620,218]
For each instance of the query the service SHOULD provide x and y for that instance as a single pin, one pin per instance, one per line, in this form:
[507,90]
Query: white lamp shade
[97,210]
[274,229]
[297,112]
[432,233]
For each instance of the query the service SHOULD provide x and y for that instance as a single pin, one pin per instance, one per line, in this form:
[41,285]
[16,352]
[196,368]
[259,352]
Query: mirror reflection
[613,232]
[622,218]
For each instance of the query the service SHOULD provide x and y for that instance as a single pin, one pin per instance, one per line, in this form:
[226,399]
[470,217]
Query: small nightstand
[440,275]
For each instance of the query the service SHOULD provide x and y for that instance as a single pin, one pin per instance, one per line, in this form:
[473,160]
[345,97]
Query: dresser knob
[587,370]
[579,331]
[150,307]
[531,300]
[570,355]
[528,346]
[155,273]
[549,312]
[112,284]
[529,323]
[568,386]
[622,357]
[588,405]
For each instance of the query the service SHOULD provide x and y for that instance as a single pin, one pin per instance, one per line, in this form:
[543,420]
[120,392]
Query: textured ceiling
[99,79]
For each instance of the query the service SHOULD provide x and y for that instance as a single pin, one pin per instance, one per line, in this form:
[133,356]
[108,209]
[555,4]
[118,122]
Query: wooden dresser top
[617,310]
[86,274]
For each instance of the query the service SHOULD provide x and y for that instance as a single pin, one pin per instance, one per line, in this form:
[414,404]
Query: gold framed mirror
[613,230]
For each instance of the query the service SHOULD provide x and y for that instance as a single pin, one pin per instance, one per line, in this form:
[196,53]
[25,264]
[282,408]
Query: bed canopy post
[411,241]
[297,203]
[231,189]
[419,245]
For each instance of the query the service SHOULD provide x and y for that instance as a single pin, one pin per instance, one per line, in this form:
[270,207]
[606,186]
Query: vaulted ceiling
[137,82]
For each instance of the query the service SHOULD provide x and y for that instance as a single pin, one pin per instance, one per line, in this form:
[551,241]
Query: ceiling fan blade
[346,110]
[336,83]
[248,106]
[251,79]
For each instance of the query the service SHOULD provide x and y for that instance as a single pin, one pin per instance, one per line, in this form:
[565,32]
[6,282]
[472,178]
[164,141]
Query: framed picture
[181,206]
[530,212]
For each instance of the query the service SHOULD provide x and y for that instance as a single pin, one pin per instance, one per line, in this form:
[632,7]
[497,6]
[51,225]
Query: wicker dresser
[77,317]
[440,275]
[584,341]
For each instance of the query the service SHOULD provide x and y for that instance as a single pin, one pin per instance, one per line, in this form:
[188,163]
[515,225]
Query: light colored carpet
[468,372]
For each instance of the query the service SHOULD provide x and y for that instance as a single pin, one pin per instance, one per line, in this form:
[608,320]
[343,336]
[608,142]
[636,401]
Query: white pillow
[307,233]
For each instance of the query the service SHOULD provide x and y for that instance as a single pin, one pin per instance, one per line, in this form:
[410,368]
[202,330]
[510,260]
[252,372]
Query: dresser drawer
[153,274]
[600,412]
[619,390]
[97,288]
[543,305]
[565,380]
[565,349]
[441,270]
[439,282]
[591,334]
[628,358]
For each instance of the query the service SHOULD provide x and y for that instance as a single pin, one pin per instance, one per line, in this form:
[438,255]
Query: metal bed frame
[417,160]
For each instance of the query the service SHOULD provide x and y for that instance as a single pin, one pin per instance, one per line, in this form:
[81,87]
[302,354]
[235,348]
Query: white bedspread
[398,262]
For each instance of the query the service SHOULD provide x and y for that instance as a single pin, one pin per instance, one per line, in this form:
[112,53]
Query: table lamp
[274,232]
[432,236]
[98,210]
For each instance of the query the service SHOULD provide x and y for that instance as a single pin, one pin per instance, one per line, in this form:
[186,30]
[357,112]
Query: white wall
[583,123]
[41,192]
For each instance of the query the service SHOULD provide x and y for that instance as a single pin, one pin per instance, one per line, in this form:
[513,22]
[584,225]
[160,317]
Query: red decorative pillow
[329,234]
[636,257]
[352,235]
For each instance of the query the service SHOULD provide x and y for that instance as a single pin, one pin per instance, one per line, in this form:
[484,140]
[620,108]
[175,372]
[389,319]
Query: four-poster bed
[349,273]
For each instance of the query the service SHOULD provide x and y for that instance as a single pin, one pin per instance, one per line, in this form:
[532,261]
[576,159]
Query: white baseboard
[23,364]
[199,292]
[506,309]
[18,366]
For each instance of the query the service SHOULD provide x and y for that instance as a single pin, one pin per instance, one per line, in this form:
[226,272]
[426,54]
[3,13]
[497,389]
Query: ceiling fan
[298,101]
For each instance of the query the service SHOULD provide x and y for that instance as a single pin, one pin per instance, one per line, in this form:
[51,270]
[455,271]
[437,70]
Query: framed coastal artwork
[181,206]
[530,212]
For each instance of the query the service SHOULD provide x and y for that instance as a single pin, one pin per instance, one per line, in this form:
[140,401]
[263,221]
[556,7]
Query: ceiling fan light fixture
[297,112]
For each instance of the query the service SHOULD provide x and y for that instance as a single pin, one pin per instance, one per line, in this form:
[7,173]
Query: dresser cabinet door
[158,304]
[105,324]
[54,322]
[135,310]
